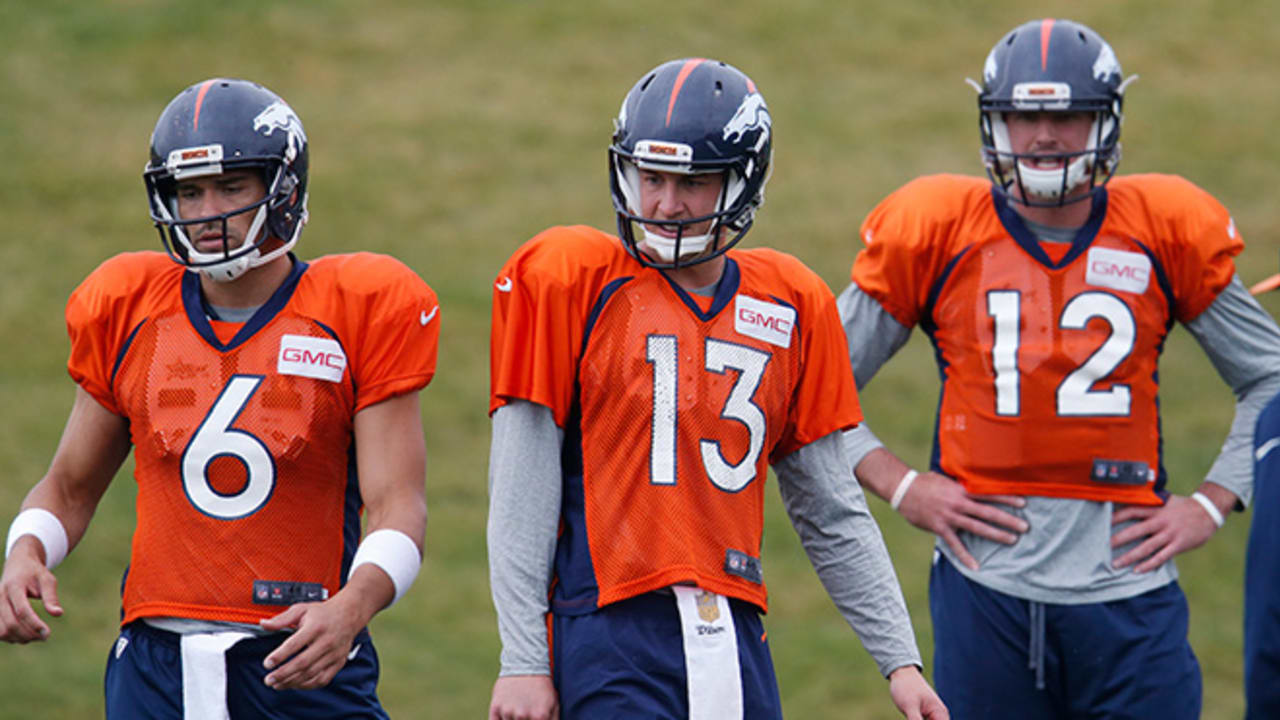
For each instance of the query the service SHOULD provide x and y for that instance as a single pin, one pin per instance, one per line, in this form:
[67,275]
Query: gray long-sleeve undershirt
[824,501]
[1066,557]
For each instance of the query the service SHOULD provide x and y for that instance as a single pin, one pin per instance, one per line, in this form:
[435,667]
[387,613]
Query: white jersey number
[661,352]
[1076,395]
[215,438]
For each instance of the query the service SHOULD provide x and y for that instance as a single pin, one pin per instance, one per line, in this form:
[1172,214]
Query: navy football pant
[1262,574]
[626,660]
[1123,659]
[144,681]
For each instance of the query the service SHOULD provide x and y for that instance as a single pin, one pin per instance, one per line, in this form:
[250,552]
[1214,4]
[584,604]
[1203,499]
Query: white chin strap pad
[1047,184]
[665,247]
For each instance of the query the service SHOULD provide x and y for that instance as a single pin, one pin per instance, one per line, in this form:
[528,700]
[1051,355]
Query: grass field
[446,133]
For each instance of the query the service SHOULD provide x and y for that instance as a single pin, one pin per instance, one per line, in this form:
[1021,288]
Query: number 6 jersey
[1048,352]
[247,493]
[672,405]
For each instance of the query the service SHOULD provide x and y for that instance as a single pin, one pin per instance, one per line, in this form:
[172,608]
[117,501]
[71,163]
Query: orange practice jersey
[1048,352]
[247,491]
[672,405]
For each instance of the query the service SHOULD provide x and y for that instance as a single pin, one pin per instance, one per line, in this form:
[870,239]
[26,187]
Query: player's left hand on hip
[1162,532]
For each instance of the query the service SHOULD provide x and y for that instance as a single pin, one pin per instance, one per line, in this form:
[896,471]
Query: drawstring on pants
[1035,659]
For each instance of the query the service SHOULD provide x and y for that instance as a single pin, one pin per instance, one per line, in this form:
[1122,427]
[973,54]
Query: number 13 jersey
[1048,352]
[672,405]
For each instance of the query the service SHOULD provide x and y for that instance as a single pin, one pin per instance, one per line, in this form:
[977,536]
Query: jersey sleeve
[101,314]
[825,398]
[395,318]
[906,245]
[1200,258]
[537,327]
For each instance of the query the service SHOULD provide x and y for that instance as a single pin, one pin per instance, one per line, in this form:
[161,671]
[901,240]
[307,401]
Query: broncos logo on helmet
[752,114]
[279,116]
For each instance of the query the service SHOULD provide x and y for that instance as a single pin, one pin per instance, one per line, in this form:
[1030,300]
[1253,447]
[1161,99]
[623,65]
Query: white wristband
[901,492]
[1214,513]
[46,527]
[392,551]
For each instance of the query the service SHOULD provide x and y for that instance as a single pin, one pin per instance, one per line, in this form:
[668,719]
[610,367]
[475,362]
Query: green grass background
[448,132]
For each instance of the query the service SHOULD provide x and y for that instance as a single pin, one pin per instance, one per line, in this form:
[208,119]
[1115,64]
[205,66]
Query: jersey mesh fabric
[170,380]
[1048,362]
[244,462]
[675,411]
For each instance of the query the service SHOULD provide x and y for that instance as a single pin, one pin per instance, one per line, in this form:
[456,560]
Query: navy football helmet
[691,116]
[1051,66]
[219,125]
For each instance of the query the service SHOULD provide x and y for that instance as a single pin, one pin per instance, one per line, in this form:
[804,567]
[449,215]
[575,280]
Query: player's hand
[1166,530]
[25,578]
[318,647]
[936,503]
[913,696]
[524,697]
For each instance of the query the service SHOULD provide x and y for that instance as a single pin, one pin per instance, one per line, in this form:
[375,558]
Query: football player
[268,401]
[1261,592]
[1048,290]
[641,387]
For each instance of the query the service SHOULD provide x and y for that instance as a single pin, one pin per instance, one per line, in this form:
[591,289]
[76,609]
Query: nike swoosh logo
[503,285]
[1266,447]
[354,651]
[424,317]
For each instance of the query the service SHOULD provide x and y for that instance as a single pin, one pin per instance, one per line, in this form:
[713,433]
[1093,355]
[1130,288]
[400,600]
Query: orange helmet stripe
[204,88]
[1046,30]
[675,90]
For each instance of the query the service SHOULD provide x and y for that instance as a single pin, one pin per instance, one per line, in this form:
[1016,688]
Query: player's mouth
[1054,163]
[671,231]
[210,243]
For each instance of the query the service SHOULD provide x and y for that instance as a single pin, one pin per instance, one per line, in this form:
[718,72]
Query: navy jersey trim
[1016,228]
[352,504]
[575,590]
[726,289]
[598,308]
[124,349]
[193,302]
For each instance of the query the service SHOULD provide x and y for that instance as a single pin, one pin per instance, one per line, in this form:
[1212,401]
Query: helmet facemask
[690,117]
[224,125]
[1053,187]
[273,212]
[729,221]
[1051,66]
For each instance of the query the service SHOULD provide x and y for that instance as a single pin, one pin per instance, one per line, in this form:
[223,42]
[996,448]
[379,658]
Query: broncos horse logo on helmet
[279,116]
[691,116]
[752,114]
[219,125]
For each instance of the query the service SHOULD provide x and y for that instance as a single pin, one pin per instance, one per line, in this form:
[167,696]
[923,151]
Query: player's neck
[1072,215]
[698,276]
[251,289]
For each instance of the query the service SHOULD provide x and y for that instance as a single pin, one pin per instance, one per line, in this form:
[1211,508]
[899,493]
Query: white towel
[204,674]
[710,654]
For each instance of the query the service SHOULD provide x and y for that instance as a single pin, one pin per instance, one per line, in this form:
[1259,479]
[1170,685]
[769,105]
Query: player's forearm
[877,469]
[524,514]
[845,546]
[94,444]
[1243,343]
